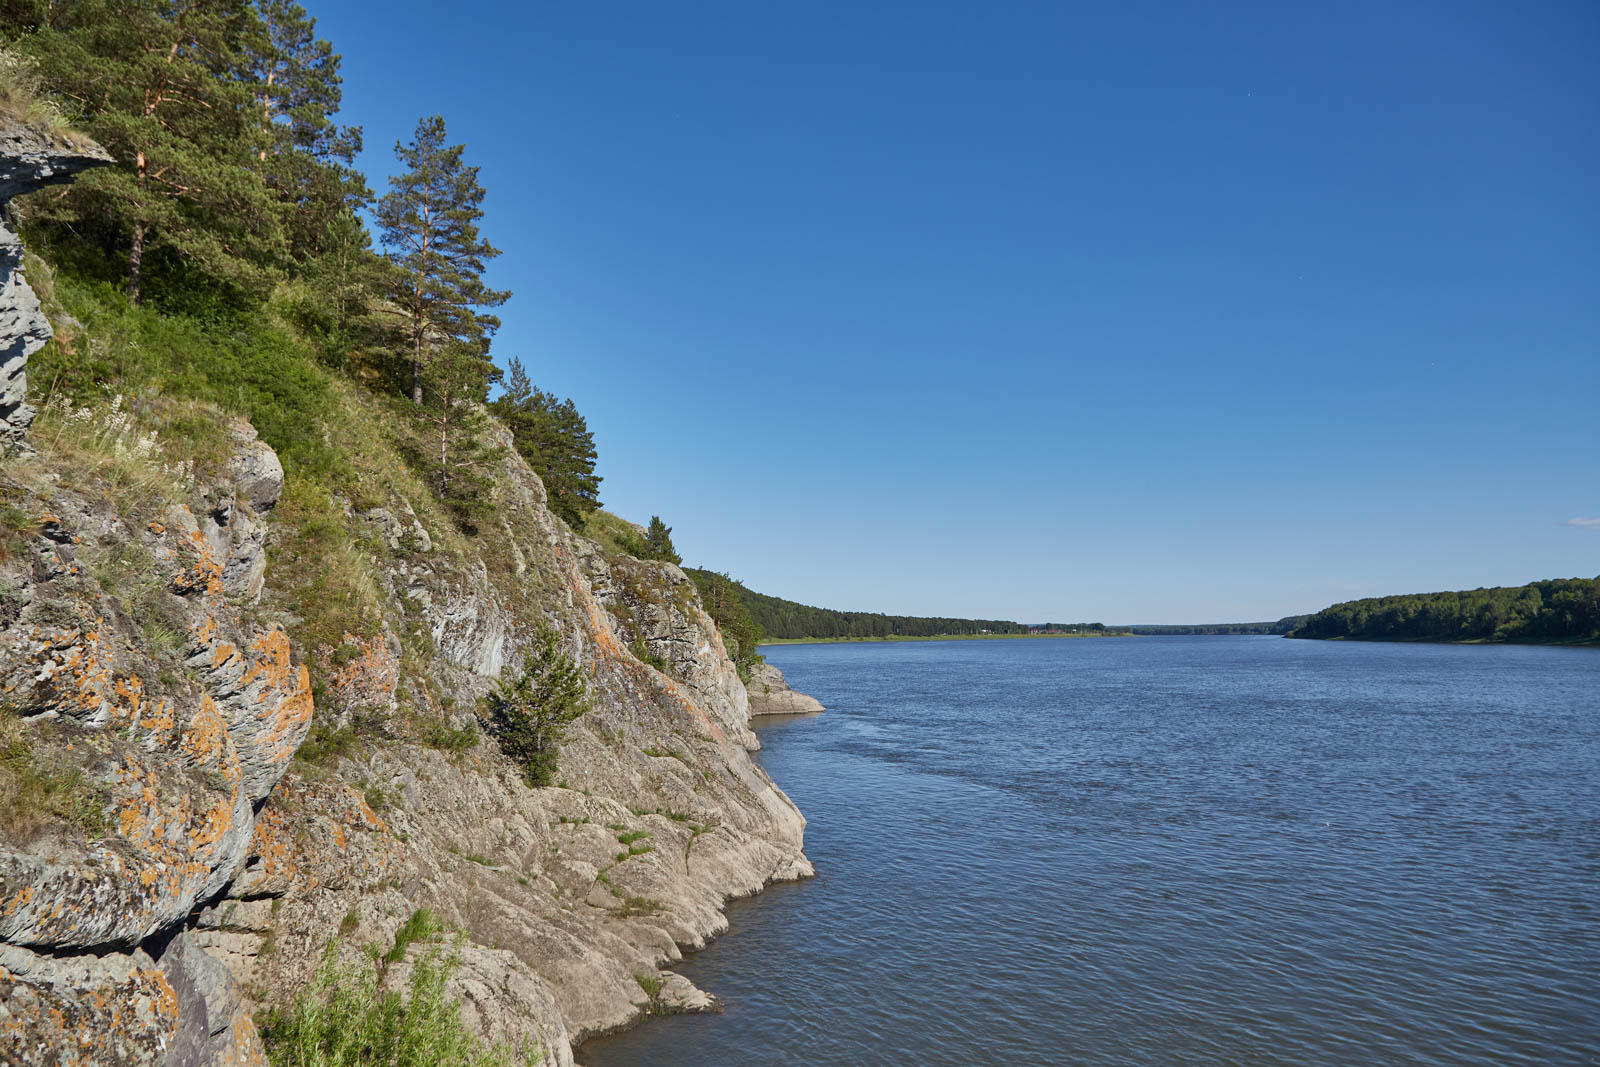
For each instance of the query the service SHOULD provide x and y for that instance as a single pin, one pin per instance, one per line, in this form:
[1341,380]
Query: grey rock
[256,469]
[770,694]
[29,159]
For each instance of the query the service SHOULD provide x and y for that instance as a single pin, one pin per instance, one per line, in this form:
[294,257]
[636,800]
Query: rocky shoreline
[232,807]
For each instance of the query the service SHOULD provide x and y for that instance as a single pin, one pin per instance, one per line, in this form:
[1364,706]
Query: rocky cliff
[30,159]
[198,811]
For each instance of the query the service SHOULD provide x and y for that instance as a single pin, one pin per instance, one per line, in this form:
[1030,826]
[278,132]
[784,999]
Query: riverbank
[934,637]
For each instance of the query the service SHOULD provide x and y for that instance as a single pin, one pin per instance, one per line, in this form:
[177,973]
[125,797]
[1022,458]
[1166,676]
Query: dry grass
[23,98]
[107,450]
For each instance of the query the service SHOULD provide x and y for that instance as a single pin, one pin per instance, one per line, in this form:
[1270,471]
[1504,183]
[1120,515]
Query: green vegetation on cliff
[724,602]
[1560,611]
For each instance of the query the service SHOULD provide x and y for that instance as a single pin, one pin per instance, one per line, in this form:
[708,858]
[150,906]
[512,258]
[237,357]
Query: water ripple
[1191,850]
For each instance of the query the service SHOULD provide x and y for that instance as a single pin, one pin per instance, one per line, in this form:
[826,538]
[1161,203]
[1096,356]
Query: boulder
[770,694]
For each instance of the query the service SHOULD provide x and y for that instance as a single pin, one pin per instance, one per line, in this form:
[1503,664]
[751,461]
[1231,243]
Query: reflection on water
[1228,849]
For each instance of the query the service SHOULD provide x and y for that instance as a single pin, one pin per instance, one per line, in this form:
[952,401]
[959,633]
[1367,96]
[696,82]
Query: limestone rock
[770,694]
[29,159]
[130,674]
[680,996]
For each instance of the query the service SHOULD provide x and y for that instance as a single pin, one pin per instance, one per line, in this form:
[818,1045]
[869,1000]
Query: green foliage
[777,618]
[556,442]
[724,602]
[324,744]
[429,222]
[530,713]
[242,363]
[649,983]
[24,97]
[450,739]
[644,654]
[346,1019]
[658,542]
[448,448]
[1563,610]
[421,926]
[1281,627]
[215,164]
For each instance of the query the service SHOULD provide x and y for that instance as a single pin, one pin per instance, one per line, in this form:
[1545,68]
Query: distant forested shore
[1281,627]
[1559,611]
[769,618]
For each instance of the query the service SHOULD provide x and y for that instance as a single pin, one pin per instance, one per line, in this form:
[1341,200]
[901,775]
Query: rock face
[770,694]
[29,159]
[145,721]
[565,893]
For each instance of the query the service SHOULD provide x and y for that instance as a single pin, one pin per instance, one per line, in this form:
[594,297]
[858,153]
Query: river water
[1170,849]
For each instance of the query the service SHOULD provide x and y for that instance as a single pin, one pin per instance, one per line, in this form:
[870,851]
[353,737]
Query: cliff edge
[243,737]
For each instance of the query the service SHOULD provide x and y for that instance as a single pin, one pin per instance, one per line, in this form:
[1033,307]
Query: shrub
[530,715]
[346,1019]
[422,926]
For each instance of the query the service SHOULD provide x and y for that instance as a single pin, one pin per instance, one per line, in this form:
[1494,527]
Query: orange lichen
[367,679]
[206,739]
[204,574]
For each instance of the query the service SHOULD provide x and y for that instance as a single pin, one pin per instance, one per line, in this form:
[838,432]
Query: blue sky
[1132,312]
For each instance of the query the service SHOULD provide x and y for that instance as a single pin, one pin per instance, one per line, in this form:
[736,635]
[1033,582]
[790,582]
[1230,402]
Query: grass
[615,535]
[22,97]
[449,739]
[324,744]
[650,984]
[422,926]
[37,793]
[638,906]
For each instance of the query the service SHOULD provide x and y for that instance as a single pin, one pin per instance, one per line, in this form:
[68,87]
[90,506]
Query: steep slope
[561,904]
[241,733]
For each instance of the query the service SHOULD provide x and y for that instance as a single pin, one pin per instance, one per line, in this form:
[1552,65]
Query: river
[1165,849]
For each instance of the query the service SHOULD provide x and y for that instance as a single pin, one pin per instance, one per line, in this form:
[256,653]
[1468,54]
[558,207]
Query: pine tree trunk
[416,360]
[444,462]
[135,258]
[141,166]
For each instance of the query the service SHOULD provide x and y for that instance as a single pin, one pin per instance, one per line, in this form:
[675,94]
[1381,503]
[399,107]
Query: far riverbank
[933,637]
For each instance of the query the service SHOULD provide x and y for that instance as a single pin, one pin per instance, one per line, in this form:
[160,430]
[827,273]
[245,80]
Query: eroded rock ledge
[770,694]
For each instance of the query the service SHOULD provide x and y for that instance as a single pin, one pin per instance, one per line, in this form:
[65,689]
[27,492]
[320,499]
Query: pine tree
[658,539]
[161,85]
[555,440]
[429,222]
[306,159]
[531,713]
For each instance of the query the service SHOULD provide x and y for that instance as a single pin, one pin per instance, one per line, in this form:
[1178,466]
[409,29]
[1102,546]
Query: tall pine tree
[429,222]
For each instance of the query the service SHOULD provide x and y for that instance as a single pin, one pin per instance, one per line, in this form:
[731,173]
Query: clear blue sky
[1130,312]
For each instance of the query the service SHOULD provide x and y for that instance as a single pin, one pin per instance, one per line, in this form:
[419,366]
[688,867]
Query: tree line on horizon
[235,210]
[787,619]
[1561,610]
[1279,628]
